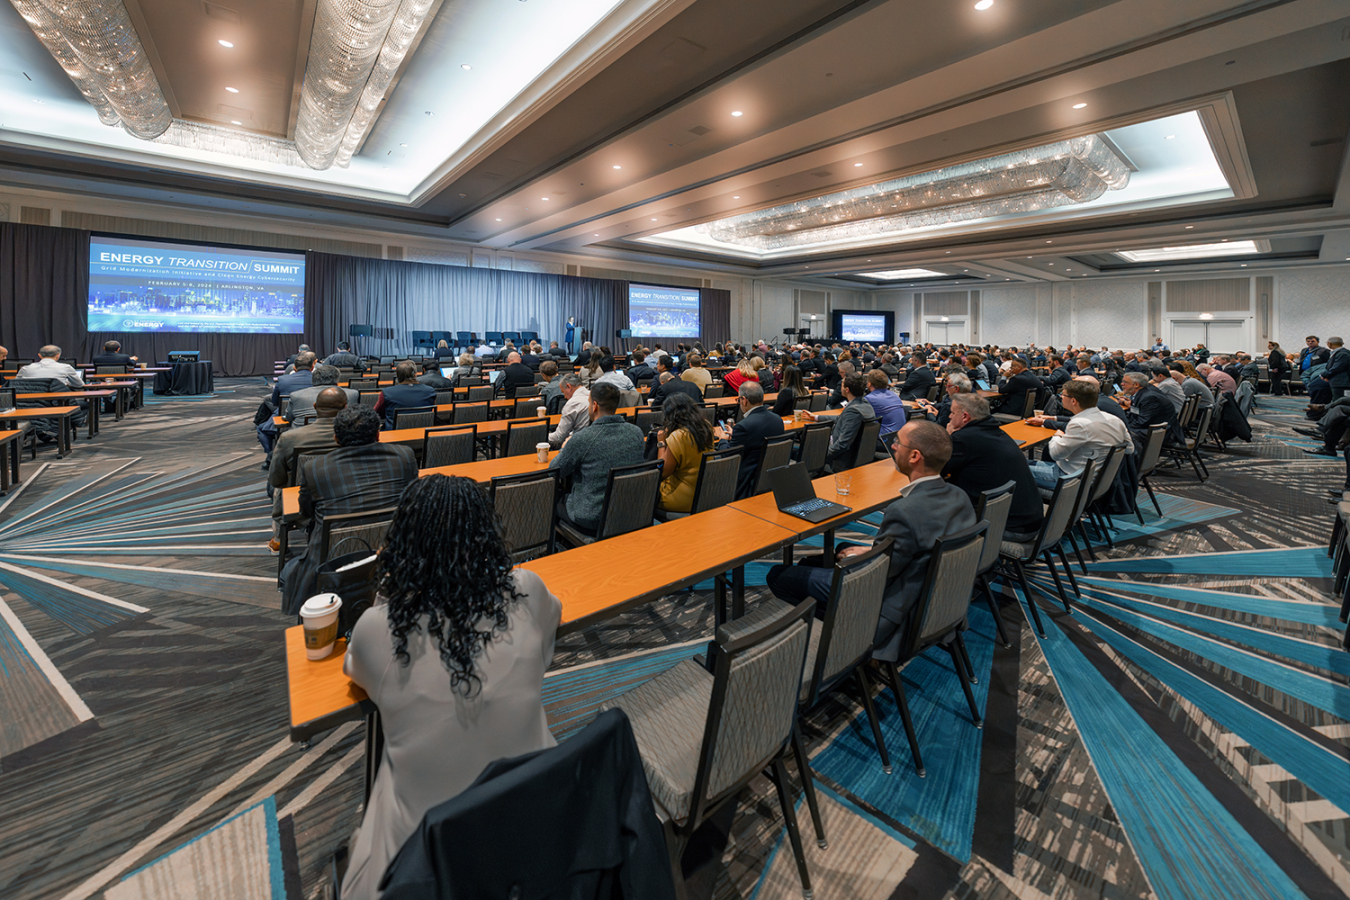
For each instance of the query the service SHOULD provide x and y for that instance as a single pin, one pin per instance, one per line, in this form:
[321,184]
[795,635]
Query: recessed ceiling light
[224,43]
[235,122]
[1170,137]
[735,196]
[403,145]
[653,218]
[857,165]
[1244,265]
[737,113]
[984,4]
[951,251]
[543,198]
[1049,242]
[499,220]
[465,66]
[232,90]
[618,167]
[597,234]
[1079,105]
[1188,227]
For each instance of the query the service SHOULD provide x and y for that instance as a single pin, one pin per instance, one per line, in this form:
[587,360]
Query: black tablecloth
[186,378]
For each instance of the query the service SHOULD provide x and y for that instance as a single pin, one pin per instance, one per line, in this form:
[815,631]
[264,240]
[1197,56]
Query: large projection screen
[863,326]
[156,286]
[655,311]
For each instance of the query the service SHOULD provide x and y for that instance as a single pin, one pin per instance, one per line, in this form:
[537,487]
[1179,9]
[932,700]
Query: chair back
[777,453]
[527,510]
[526,390]
[522,435]
[757,663]
[368,398]
[1059,513]
[1187,413]
[369,527]
[646,418]
[815,446]
[448,445]
[480,392]
[1206,420]
[933,393]
[7,398]
[865,444]
[801,401]
[359,384]
[465,412]
[718,473]
[301,458]
[1148,461]
[445,397]
[851,616]
[630,499]
[1029,407]
[1110,465]
[110,370]
[285,406]
[944,599]
[709,411]
[994,506]
[714,391]
[527,407]
[1092,472]
[818,402]
[415,417]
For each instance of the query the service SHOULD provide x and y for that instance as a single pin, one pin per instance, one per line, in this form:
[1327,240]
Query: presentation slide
[139,285]
[662,311]
[870,329]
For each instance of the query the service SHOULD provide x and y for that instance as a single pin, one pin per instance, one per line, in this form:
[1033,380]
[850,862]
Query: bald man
[517,375]
[317,435]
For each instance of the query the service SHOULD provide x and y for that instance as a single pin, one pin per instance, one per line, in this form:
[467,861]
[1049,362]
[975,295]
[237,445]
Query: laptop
[794,495]
[494,376]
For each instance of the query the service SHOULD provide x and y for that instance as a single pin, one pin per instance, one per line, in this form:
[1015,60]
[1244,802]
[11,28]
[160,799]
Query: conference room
[808,448]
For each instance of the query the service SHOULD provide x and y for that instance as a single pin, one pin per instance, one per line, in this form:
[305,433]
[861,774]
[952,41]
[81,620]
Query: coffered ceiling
[618,128]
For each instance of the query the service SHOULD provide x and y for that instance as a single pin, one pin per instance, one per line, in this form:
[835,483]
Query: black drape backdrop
[44,286]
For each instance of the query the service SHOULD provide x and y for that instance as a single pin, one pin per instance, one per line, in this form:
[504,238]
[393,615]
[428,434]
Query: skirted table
[185,378]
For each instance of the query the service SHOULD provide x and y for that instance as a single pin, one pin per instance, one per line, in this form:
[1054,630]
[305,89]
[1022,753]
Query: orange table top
[872,487]
[321,696]
[40,412]
[54,395]
[1029,435]
[139,373]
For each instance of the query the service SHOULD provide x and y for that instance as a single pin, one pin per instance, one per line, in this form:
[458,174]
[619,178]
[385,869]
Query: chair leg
[675,854]
[993,611]
[1026,592]
[965,658]
[903,704]
[1148,487]
[1054,573]
[1087,544]
[1137,514]
[1068,570]
[1193,458]
[866,687]
[780,783]
[1073,542]
[966,677]
[1104,526]
[808,784]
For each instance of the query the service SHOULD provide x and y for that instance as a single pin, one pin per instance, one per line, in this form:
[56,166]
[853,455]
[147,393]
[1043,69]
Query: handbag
[352,577]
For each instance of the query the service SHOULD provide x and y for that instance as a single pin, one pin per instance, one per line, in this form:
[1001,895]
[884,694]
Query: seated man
[1162,379]
[1059,374]
[405,393]
[1144,407]
[302,401]
[836,398]
[919,379]
[928,510]
[668,383]
[344,357]
[612,375]
[1014,391]
[957,383]
[1104,404]
[848,425]
[984,457]
[607,442]
[301,377]
[640,369]
[756,425]
[550,392]
[328,402]
[697,375]
[112,355]
[431,376]
[890,409]
[49,366]
[290,361]
[361,475]
[1219,381]
[576,411]
[1089,434]
[517,375]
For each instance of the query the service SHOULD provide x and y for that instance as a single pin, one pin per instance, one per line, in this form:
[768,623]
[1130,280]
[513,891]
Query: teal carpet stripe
[1318,768]
[1178,512]
[1312,689]
[81,614]
[1190,846]
[211,584]
[1287,610]
[940,808]
[1322,656]
[1294,562]
[572,696]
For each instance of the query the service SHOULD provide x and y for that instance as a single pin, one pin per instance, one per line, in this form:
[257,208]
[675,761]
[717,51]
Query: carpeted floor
[1183,734]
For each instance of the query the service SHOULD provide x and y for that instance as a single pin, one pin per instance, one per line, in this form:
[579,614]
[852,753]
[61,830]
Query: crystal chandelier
[241,144]
[356,48]
[96,44]
[1065,173]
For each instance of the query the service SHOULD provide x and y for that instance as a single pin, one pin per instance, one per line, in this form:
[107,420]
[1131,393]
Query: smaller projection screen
[863,327]
[655,311]
[141,285]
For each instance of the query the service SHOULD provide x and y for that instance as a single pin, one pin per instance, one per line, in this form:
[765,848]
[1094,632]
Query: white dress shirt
[576,415]
[1089,435]
[616,378]
[47,367]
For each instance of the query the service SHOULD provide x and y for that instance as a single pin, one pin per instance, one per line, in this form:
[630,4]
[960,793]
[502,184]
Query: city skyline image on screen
[156,286]
[655,311]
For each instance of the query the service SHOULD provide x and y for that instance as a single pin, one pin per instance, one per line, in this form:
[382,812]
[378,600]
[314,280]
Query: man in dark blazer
[756,425]
[431,376]
[919,380]
[517,374]
[361,475]
[301,377]
[1059,374]
[406,393]
[984,457]
[1014,391]
[317,435]
[848,424]
[928,510]
[668,384]
[1338,368]
[112,355]
[1145,406]
[345,357]
[640,369]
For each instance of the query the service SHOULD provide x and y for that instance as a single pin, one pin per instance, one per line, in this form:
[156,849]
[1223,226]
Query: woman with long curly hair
[453,655]
[684,436]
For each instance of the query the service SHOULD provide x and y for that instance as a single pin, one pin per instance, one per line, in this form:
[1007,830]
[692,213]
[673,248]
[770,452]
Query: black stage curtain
[44,283]
[397,298]
[714,316]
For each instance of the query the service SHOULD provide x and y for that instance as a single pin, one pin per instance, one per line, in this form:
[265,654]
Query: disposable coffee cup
[541,451]
[320,618]
[541,411]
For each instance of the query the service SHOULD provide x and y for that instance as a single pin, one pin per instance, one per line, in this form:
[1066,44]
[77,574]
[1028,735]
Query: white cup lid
[320,604]
[541,445]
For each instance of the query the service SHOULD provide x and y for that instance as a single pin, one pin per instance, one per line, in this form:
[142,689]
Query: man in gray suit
[302,401]
[928,510]
[857,412]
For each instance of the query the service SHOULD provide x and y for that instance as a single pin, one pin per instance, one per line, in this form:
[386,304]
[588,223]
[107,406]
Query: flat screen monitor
[862,326]
[158,286]
[655,311]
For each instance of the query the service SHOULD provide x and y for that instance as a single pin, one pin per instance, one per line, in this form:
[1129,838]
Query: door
[1185,335]
[944,334]
[1226,337]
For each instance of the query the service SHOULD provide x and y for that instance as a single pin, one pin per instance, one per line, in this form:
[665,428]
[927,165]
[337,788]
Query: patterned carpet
[1183,734]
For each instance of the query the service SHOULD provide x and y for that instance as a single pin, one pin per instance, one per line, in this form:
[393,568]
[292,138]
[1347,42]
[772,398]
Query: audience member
[302,401]
[1163,381]
[576,410]
[848,426]
[611,375]
[919,380]
[668,385]
[1278,368]
[406,393]
[590,372]
[1014,391]
[886,403]
[744,371]
[1338,367]
[317,435]
[49,366]
[360,476]
[1146,406]
[1184,374]
[607,442]
[301,377]
[345,358]
[443,349]
[681,441]
[640,369]
[756,424]
[1089,434]
[112,355]
[1218,380]
[516,375]
[984,457]
[928,510]
[550,392]
[453,658]
[697,375]
[792,387]
[431,376]
[469,369]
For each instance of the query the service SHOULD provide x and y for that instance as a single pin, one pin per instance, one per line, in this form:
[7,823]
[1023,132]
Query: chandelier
[356,48]
[1065,173]
[96,44]
[217,139]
